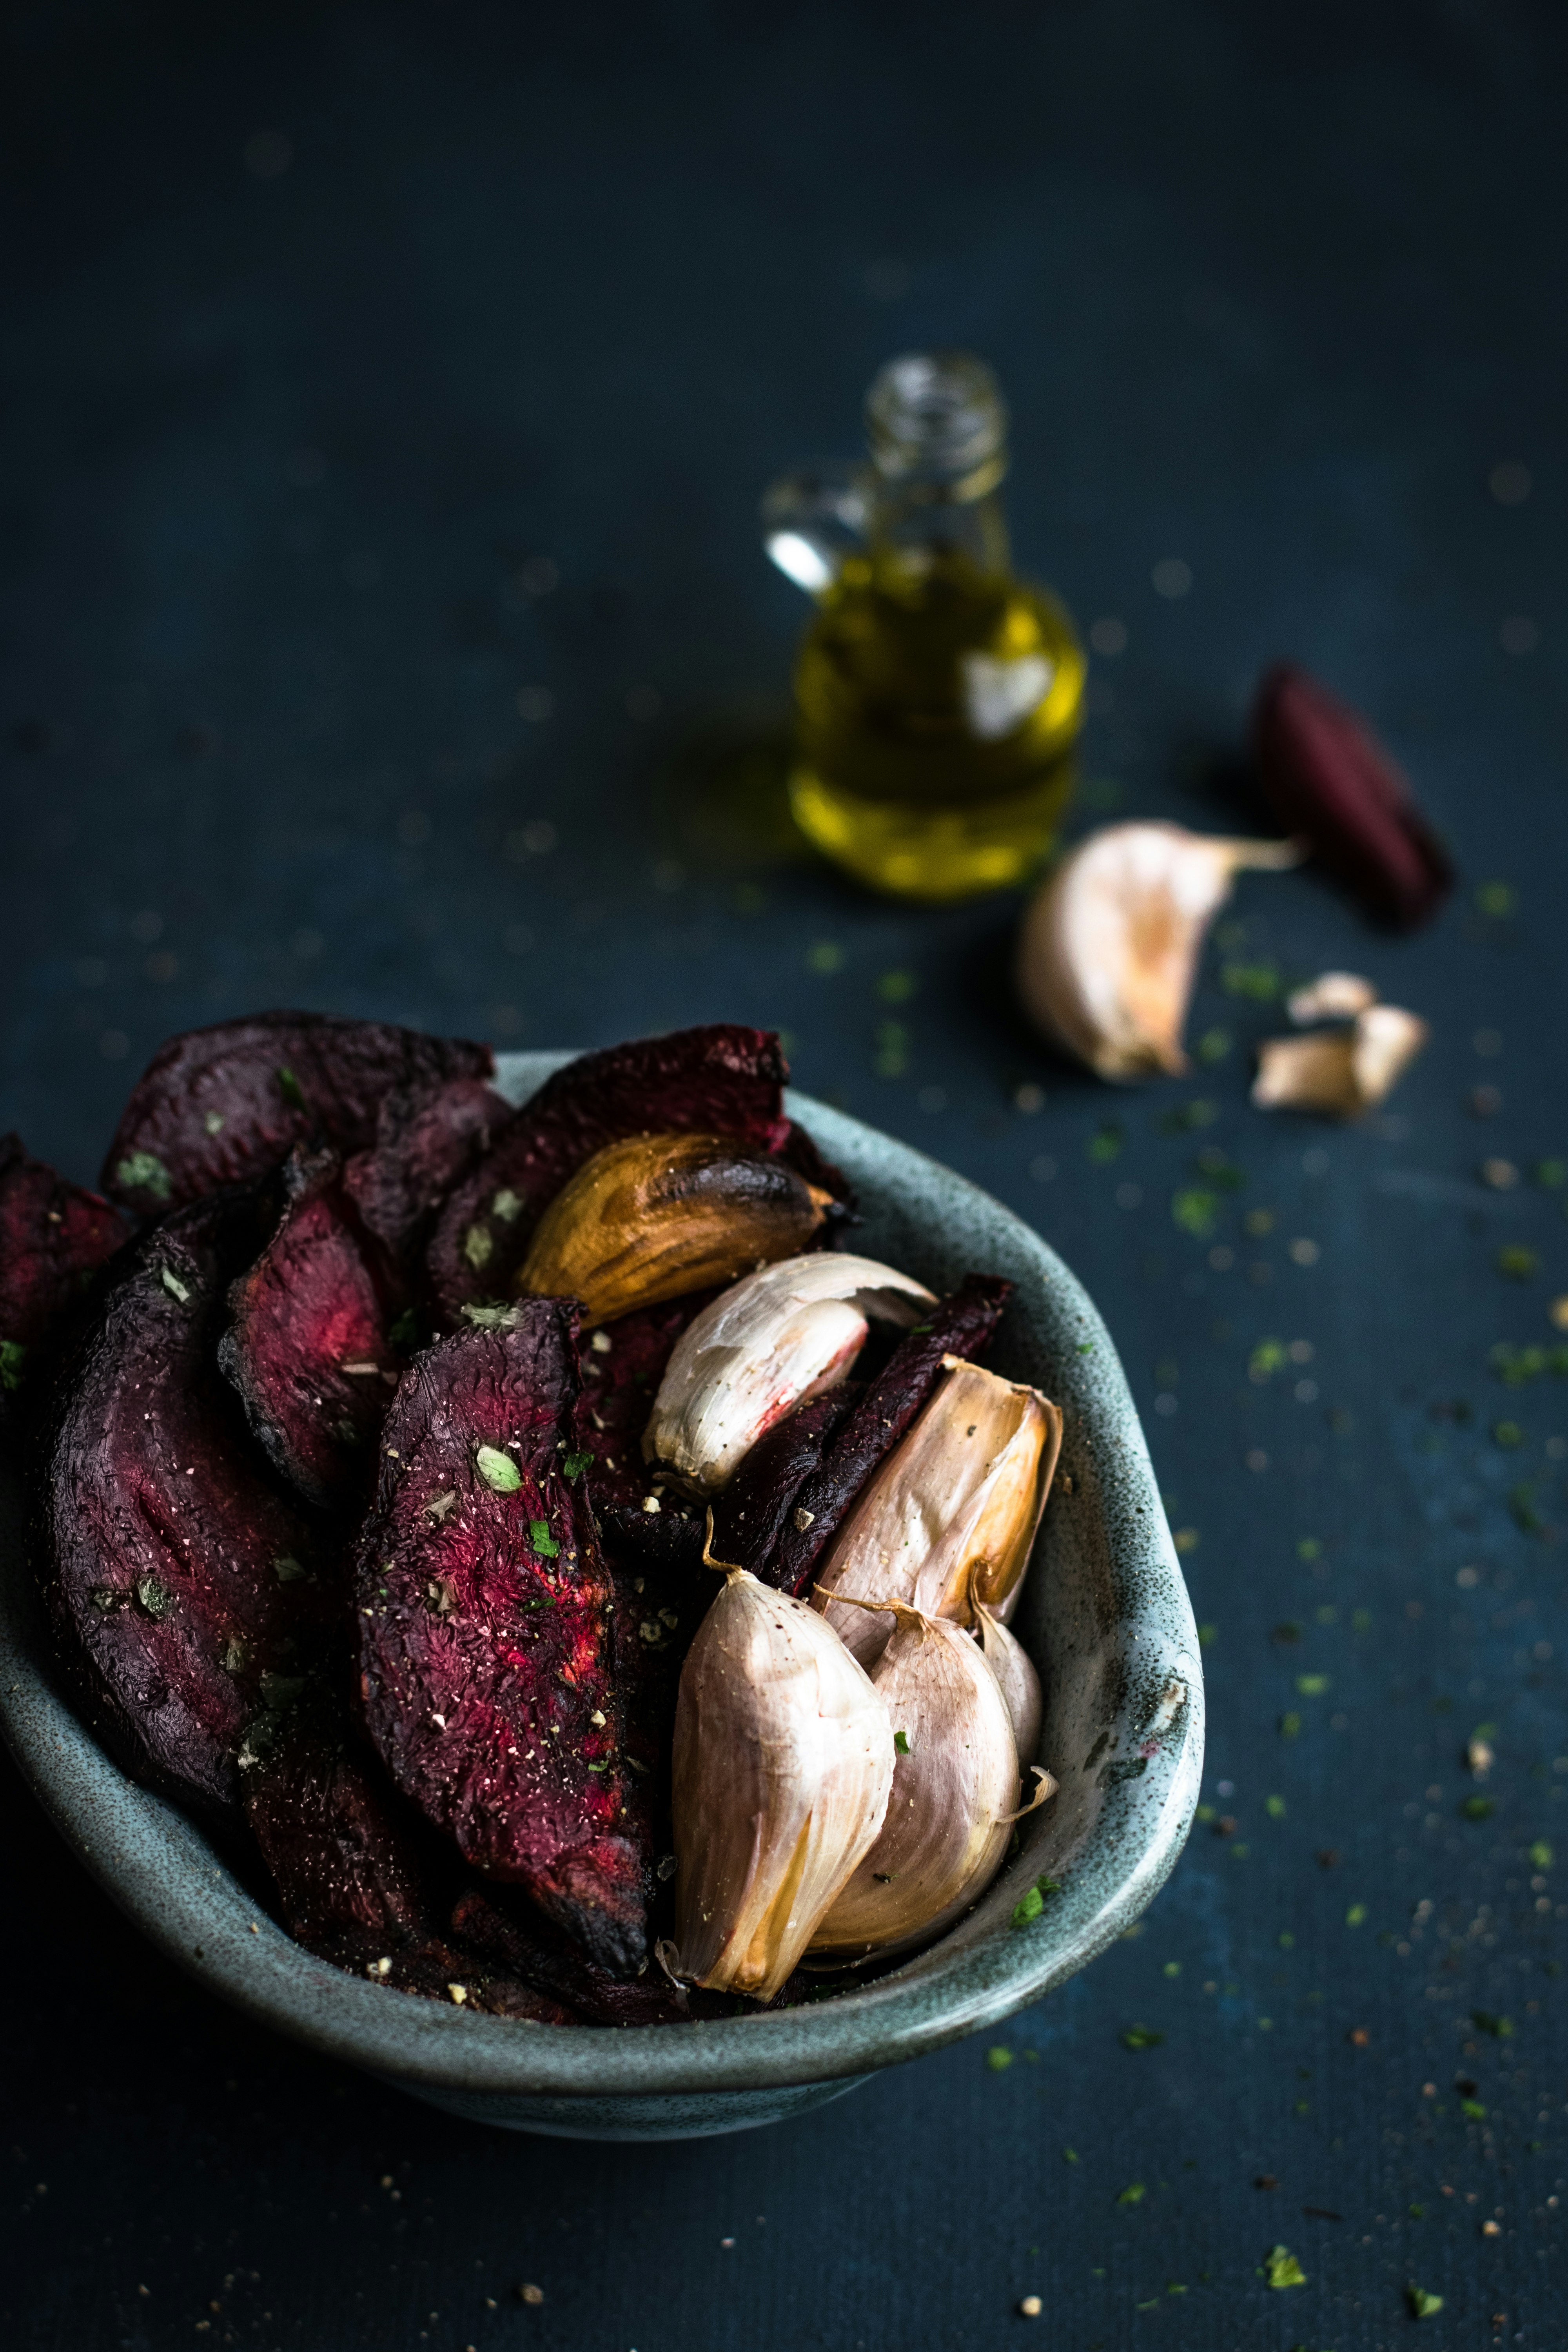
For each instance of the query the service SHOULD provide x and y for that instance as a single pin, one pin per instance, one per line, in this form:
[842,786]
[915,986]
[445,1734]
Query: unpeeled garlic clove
[778,1337]
[954,1792]
[1332,996]
[1340,1072]
[1015,1676]
[653,1217]
[1109,946]
[953,1512]
[783,1765]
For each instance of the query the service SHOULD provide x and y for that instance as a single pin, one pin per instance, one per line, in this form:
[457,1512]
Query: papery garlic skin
[1109,945]
[779,1336]
[1341,1072]
[783,1766]
[1016,1678]
[653,1217]
[953,1511]
[1332,996]
[955,1793]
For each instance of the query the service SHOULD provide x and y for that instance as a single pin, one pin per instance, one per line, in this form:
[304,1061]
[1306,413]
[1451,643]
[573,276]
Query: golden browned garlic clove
[953,1512]
[1015,1676]
[777,1338]
[1340,1072]
[955,1794]
[1109,945]
[1332,996]
[656,1216]
[784,1762]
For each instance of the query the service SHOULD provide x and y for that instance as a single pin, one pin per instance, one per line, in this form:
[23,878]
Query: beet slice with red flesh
[750,1514]
[219,1105]
[186,1589]
[958,1325]
[54,1236]
[426,1137]
[485,1628]
[718,1080]
[307,1349]
[354,1882]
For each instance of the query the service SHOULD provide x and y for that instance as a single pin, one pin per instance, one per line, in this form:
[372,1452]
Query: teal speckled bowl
[1104,1615]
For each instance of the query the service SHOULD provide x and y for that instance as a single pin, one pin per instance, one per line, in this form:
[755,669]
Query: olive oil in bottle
[939,697]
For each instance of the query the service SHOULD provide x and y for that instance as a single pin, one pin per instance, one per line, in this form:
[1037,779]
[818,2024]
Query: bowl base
[699,2116]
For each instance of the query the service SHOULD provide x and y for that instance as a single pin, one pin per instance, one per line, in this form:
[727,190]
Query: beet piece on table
[184,1586]
[1327,778]
[308,1348]
[54,1236]
[485,1628]
[718,1080]
[219,1106]
[426,1139]
[958,1325]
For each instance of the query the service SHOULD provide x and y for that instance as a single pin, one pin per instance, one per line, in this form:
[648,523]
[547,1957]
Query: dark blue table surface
[365,365]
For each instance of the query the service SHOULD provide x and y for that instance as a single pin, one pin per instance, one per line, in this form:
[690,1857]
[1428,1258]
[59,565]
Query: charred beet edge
[217,1106]
[958,1325]
[53,1238]
[485,1628]
[720,1080]
[622,1369]
[308,1348]
[493,1927]
[426,1139]
[187,1584]
[751,1512]
[354,1884]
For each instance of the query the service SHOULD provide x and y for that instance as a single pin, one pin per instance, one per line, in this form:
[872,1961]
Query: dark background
[364,365]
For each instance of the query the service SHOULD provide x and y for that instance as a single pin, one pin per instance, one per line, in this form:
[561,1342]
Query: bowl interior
[1104,1614]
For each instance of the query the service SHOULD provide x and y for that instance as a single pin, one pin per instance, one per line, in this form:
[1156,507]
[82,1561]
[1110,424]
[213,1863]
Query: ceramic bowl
[1104,1615]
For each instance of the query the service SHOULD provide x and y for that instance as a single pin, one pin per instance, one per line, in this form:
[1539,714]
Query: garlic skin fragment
[1109,945]
[783,1766]
[1332,996]
[1016,1678]
[1340,1072]
[652,1217]
[955,1793]
[779,1337]
[952,1515]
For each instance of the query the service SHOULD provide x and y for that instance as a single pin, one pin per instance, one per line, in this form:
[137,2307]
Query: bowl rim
[1145,1770]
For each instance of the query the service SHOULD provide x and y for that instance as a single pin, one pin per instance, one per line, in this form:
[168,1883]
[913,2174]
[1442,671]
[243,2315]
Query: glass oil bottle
[938,696]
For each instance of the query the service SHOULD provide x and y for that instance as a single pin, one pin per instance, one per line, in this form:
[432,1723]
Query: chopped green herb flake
[573,1464]
[998,2058]
[1133,2194]
[154,1597]
[897,987]
[1259,982]
[543,1542]
[1105,1146]
[1309,1548]
[1208,1636]
[213,1122]
[1477,1809]
[408,1331]
[1311,1685]
[143,1172]
[1194,1210]
[1356,1915]
[1275,1808]
[1517,1261]
[12,1355]
[498,1470]
[1540,1855]
[901,1742]
[287,1570]
[1280,2268]
[1422,2304]
[289,1088]
[478,1247]
[1069,2155]
[175,1287]
[1141,2037]
[1291,1725]
[506,1205]
[1485,2020]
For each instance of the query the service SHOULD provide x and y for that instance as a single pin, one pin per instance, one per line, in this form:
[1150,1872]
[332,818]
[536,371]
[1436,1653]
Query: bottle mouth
[938,418]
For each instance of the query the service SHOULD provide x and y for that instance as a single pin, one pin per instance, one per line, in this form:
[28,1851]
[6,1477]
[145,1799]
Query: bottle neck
[919,527]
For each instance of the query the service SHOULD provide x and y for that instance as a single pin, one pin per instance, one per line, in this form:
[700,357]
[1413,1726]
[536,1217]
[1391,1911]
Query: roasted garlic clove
[1014,1672]
[655,1216]
[784,1762]
[1332,996]
[955,1793]
[1340,1072]
[777,1338]
[1109,945]
[951,1513]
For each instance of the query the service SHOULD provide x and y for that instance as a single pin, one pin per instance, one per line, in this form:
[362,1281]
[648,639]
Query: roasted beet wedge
[219,1106]
[750,1514]
[485,1628]
[720,1080]
[622,1369]
[354,1882]
[426,1139]
[185,1583]
[308,1348]
[53,1239]
[958,1325]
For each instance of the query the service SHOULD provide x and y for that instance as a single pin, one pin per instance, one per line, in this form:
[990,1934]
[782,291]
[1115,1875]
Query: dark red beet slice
[353,1882]
[720,1080]
[622,1368]
[308,1348]
[958,1325]
[53,1239]
[186,1583]
[751,1512]
[1326,777]
[219,1106]
[485,1628]
[426,1139]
